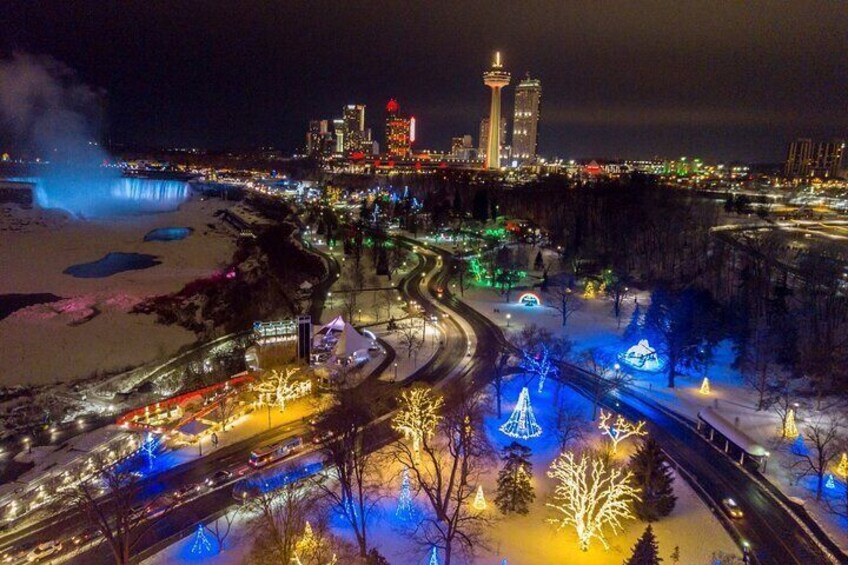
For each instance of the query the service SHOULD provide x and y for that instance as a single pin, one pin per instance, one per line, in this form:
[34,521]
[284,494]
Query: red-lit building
[400,132]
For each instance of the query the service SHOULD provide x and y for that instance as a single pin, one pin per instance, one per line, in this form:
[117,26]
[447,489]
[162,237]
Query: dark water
[111,264]
[167,234]
[10,303]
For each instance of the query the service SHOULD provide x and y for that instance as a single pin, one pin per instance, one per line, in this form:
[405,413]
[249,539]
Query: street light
[508,317]
[395,371]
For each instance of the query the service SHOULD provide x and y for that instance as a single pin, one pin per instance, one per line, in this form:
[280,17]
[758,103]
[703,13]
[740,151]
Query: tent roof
[350,342]
[336,324]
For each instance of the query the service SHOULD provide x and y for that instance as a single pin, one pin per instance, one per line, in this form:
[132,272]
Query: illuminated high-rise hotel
[495,78]
[400,131]
[354,128]
[525,123]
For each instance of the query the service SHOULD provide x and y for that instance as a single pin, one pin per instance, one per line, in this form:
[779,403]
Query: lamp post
[508,317]
[395,371]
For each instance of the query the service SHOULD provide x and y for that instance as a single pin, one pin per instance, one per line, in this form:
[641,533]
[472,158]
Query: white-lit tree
[590,497]
[417,415]
[620,429]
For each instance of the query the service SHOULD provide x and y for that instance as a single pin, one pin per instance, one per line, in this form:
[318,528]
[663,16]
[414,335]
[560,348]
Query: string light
[522,423]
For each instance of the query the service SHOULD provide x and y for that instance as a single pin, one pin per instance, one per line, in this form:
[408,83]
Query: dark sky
[717,79]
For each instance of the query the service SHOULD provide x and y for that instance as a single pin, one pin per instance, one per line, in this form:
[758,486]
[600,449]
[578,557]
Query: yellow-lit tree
[417,415]
[621,429]
[276,388]
[589,497]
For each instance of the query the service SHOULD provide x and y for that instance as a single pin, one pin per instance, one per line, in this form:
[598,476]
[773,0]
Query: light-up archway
[530,299]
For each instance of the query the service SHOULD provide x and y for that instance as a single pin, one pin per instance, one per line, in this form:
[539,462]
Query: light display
[705,386]
[277,388]
[434,557]
[619,430]
[590,497]
[201,545]
[529,299]
[790,430]
[842,468]
[830,482]
[149,447]
[480,499]
[417,415]
[404,508]
[307,545]
[642,357]
[522,423]
[539,365]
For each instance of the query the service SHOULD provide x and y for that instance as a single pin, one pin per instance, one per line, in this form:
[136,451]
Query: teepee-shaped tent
[351,343]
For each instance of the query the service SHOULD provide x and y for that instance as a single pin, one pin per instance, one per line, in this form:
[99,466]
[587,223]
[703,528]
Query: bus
[269,454]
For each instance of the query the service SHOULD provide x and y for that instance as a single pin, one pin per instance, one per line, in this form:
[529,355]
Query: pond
[112,264]
[167,234]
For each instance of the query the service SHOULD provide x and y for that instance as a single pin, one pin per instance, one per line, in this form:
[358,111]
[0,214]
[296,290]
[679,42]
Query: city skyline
[697,96]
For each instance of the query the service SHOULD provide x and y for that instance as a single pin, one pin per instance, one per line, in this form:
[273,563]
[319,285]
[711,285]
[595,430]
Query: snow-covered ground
[522,540]
[91,329]
[594,326]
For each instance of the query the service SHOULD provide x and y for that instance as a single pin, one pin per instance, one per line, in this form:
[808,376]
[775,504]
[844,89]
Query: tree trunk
[672,370]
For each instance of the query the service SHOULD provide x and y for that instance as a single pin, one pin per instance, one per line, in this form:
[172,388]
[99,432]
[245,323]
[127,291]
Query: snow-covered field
[91,328]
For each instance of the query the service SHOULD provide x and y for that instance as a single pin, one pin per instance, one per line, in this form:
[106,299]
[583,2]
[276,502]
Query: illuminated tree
[404,507]
[453,453]
[705,386]
[522,424]
[278,388]
[621,429]
[479,499]
[590,497]
[539,364]
[201,545]
[842,468]
[790,430]
[417,415]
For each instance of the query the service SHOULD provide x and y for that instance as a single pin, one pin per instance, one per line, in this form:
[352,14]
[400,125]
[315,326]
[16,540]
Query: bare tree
[607,376]
[565,301]
[410,340]
[223,525]
[351,461]
[348,302]
[824,442]
[758,360]
[782,403]
[281,517]
[387,300]
[112,502]
[569,423]
[447,469]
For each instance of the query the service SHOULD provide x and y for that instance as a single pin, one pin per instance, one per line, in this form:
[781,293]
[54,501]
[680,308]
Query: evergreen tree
[646,550]
[651,473]
[515,489]
[539,263]
[375,558]
[635,327]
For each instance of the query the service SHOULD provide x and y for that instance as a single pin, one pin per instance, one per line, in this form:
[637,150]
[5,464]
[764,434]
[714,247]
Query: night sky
[632,79]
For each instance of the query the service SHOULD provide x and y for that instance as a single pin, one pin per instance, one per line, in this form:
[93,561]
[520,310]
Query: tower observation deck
[495,78]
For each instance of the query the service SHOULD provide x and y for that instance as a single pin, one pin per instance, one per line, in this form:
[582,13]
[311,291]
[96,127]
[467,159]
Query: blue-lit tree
[404,508]
[539,364]
[149,447]
[522,424]
[434,557]
[201,544]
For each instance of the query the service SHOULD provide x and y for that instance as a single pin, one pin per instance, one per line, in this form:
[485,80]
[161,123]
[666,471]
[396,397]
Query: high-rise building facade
[399,132]
[806,159]
[495,78]
[525,124]
[354,128]
[462,147]
[318,138]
